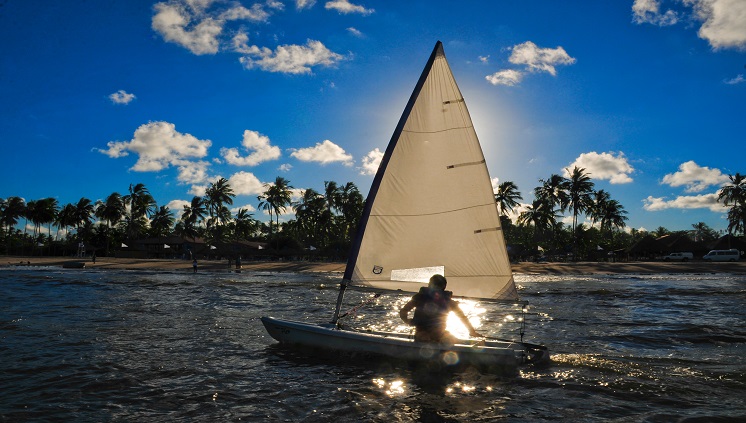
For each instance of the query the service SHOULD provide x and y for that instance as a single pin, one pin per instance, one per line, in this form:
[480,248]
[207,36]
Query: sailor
[431,308]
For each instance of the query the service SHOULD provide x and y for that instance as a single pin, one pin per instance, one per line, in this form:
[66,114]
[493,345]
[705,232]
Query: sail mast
[352,259]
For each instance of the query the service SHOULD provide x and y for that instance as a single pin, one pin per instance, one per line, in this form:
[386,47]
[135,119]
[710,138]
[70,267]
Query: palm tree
[313,217]
[13,209]
[507,197]
[162,222]
[83,211]
[579,194]
[351,206]
[216,196]
[554,190]
[275,199]
[66,217]
[245,226]
[608,212]
[141,204]
[111,210]
[733,195]
[192,217]
[541,215]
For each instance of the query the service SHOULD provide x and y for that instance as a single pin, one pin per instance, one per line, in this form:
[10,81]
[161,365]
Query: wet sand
[103,263]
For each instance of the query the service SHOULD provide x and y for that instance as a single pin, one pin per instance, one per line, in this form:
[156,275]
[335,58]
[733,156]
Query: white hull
[495,356]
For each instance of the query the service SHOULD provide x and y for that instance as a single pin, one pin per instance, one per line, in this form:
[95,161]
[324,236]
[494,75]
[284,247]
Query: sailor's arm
[456,309]
[404,312]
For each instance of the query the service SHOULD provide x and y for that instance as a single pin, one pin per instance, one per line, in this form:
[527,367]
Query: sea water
[94,346]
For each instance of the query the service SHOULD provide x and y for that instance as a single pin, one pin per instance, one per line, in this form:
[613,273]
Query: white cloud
[737,80]
[324,152]
[174,22]
[192,172]
[495,184]
[344,6]
[247,207]
[509,77]
[255,14]
[121,97]
[604,166]
[158,146]
[694,177]
[484,59]
[648,11]
[538,59]
[705,201]
[304,4]
[355,32]
[192,25]
[245,183]
[534,59]
[285,167]
[371,162]
[258,144]
[177,206]
[724,22]
[295,59]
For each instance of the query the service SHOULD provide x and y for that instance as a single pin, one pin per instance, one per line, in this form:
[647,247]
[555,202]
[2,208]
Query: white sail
[431,208]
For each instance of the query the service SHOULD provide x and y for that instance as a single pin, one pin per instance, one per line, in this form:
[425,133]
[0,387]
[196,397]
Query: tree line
[326,222]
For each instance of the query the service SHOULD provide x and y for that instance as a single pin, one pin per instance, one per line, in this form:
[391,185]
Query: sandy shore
[697,267]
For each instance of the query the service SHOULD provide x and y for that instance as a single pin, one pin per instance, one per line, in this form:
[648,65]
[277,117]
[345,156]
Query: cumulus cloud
[538,59]
[121,97]
[723,22]
[345,7]
[694,177]
[605,166]
[294,59]
[246,183]
[324,152]
[285,167]
[648,11]
[534,59]
[509,77]
[257,144]
[304,4]
[158,146]
[174,21]
[371,162]
[177,206]
[196,26]
[248,208]
[705,201]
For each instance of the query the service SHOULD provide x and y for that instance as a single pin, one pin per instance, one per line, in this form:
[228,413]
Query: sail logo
[377,270]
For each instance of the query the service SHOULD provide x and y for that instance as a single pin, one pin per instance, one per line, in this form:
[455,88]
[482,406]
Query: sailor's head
[438,282]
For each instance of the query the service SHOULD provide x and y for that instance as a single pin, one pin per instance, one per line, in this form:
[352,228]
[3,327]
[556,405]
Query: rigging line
[434,213]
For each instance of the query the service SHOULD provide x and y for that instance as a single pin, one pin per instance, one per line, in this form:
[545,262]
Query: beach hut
[646,248]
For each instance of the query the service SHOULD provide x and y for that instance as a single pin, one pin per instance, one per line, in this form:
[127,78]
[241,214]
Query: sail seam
[430,214]
[437,132]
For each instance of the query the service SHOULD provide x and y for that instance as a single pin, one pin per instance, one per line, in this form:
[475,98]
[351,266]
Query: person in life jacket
[431,308]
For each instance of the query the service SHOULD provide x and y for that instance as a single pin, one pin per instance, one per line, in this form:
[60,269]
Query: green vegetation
[325,224]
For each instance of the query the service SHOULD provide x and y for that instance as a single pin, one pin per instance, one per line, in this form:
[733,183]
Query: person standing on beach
[194,265]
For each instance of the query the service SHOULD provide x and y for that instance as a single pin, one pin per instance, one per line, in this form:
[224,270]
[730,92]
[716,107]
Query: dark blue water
[90,346]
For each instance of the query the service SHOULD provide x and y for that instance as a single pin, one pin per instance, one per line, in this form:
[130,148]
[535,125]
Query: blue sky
[649,96]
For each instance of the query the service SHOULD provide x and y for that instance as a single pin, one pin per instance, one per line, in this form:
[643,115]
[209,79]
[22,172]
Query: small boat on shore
[430,210]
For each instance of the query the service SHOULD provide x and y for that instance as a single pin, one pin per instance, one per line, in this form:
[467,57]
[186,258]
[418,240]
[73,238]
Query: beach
[639,267]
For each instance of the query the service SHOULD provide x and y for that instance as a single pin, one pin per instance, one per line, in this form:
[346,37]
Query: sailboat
[430,210]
